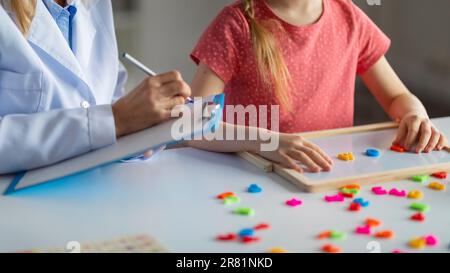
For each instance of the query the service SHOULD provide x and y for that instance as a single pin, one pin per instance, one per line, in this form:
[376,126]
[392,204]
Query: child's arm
[206,82]
[400,104]
[290,148]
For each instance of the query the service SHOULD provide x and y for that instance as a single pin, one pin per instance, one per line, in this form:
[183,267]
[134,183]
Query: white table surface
[173,199]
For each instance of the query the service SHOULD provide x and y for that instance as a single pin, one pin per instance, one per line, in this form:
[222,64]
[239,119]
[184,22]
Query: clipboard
[128,146]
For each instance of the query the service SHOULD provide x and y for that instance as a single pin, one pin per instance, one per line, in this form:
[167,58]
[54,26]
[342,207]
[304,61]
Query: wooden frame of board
[307,185]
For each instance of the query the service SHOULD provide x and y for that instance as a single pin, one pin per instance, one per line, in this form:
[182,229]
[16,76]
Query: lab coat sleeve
[45,138]
[121,80]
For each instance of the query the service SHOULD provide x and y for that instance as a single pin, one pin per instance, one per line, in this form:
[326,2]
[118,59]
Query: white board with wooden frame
[363,170]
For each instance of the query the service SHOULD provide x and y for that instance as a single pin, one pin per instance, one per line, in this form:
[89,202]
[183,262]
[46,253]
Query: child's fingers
[425,135]
[290,163]
[317,158]
[304,159]
[442,142]
[401,134]
[413,131]
[320,151]
[434,140]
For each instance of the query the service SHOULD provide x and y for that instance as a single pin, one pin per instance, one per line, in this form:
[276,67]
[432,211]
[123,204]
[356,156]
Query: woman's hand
[293,149]
[417,130]
[150,103]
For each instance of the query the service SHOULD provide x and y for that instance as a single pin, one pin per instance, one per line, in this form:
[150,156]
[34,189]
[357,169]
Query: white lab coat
[55,103]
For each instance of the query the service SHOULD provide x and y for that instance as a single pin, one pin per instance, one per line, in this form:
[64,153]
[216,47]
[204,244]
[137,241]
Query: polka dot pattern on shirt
[323,59]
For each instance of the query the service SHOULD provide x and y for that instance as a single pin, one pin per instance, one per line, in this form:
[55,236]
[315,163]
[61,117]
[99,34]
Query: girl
[304,55]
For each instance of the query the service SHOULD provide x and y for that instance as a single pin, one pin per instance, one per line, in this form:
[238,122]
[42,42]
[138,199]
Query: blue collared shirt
[63,17]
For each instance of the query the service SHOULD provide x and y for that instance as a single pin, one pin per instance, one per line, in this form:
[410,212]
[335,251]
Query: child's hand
[417,129]
[293,149]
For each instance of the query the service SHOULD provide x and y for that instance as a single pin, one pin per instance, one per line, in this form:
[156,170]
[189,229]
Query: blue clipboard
[126,147]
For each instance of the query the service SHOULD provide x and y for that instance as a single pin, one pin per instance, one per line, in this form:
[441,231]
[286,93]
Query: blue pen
[145,69]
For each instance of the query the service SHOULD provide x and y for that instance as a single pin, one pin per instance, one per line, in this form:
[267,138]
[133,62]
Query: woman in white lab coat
[60,95]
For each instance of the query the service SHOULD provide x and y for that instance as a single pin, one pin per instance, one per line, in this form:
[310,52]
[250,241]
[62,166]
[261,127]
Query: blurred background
[163,32]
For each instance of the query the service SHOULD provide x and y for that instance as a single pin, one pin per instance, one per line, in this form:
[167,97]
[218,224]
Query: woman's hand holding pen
[150,103]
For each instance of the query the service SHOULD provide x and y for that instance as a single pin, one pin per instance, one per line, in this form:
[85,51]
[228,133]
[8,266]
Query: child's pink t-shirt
[323,59]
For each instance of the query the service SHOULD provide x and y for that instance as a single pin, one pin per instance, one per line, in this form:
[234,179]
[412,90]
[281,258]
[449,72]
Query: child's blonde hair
[270,61]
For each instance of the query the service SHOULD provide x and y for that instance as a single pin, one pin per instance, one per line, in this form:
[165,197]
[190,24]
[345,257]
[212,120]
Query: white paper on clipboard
[124,147]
